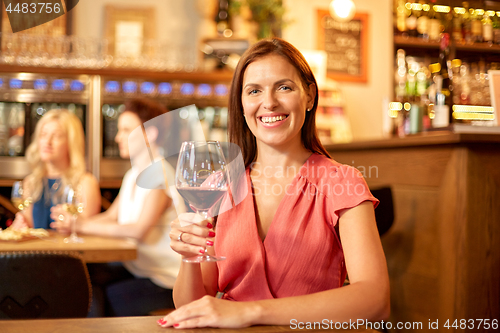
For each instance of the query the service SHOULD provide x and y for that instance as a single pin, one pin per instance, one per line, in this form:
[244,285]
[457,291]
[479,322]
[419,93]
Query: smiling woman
[290,243]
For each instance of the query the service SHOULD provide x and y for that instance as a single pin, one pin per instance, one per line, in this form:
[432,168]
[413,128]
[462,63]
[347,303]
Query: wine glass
[201,179]
[18,197]
[73,204]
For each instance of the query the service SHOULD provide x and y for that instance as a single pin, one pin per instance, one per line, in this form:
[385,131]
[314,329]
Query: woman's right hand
[196,235]
[62,220]
[19,222]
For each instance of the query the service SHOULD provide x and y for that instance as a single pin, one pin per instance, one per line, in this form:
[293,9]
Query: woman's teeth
[269,120]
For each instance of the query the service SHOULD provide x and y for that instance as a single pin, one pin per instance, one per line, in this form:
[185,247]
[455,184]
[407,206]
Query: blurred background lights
[342,10]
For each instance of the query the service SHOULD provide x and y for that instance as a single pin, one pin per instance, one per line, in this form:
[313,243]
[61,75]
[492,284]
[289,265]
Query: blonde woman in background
[57,157]
[135,287]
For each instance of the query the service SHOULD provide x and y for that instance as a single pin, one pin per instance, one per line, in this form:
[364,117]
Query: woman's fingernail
[202,251]
[176,325]
[161,322]
[209,225]
[210,243]
[211,234]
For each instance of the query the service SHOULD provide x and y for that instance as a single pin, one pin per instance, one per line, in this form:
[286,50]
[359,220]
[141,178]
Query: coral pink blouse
[302,252]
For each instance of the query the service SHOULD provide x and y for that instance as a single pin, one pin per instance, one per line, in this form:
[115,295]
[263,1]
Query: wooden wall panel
[481,284]
[411,248]
[421,166]
[443,251]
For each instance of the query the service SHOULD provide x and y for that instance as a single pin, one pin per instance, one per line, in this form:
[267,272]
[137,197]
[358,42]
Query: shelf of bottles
[92,53]
[443,55]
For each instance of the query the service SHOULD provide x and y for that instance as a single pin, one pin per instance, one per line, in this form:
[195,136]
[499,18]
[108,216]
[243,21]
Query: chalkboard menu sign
[345,44]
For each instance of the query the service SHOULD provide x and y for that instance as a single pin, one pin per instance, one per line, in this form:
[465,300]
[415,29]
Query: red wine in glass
[201,178]
[200,198]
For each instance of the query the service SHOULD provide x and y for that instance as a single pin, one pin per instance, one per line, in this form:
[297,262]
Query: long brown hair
[239,132]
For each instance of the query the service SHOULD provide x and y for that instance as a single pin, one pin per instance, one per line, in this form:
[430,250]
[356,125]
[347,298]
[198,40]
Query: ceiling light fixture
[342,10]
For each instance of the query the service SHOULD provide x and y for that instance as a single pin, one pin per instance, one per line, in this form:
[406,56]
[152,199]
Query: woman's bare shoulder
[28,181]
[89,179]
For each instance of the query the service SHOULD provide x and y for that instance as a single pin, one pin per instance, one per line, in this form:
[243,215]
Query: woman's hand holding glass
[62,219]
[66,212]
[201,179]
[190,234]
[21,201]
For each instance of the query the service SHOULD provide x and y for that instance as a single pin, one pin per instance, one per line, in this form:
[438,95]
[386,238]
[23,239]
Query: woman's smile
[273,120]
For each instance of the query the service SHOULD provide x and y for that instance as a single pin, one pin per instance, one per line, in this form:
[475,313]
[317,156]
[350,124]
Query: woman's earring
[308,109]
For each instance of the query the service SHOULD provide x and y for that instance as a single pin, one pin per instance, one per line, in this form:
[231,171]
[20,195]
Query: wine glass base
[73,239]
[203,258]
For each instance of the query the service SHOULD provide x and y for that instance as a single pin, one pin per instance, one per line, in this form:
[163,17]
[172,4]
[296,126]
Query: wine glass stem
[73,225]
[204,213]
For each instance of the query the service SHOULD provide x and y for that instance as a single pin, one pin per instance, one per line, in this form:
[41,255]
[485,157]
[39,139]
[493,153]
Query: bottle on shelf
[496,28]
[419,101]
[475,98]
[400,75]
[401,18]
[482,91]
[434,69]
[426,119]
[447,21]
[466,24]
[400,91]
[457,26]
[456,80]
[487,29]
[443,89]
[411,20]
[423,20]
[434,23]
[465,84]
[476,27]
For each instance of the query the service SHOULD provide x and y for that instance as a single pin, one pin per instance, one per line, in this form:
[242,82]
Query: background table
[129,324]
[94,249]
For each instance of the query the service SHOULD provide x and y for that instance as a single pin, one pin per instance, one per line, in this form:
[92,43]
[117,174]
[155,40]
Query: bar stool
[43,285]
[384,213]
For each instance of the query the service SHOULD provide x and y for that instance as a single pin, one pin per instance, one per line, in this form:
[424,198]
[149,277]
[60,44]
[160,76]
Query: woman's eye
[285,88]
[253,91]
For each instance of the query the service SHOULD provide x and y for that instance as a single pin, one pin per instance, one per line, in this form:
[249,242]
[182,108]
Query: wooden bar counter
[139,325]
[443,251]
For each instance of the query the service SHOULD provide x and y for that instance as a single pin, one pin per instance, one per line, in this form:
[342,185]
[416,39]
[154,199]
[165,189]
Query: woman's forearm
[189,284]
[363,300]
[109,228]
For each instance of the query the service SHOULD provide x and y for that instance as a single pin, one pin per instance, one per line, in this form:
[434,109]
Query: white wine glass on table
[18,196]
[72,202]
[201,179]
